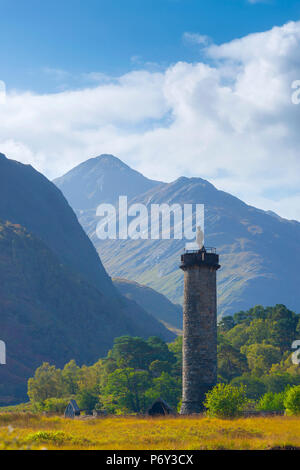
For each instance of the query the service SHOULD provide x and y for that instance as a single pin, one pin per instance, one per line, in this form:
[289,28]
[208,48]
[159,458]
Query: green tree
[261,357]
[132,352]
[278,382]
[271,325]
[158,367]
[241,317]
[231,363]
[160,350]
[298,326]
[286,365]
[90,377]
[176,349]
[70,375]
[284,327]
[254,386]
[225,401]
[125,390]
[237,336]
[166,387]
[226,324]
[292,400]
[46,383]
[55,405]
[87,399]
[258,331]
[258,312]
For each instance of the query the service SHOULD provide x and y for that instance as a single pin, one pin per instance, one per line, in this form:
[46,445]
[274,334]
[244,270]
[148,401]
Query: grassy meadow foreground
[29,431]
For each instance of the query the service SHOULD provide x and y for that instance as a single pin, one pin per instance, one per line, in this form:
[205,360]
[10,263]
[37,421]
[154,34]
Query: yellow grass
[28,431]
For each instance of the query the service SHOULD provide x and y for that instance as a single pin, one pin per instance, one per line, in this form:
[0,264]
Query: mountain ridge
[81,180]
[153,302]
[258,251]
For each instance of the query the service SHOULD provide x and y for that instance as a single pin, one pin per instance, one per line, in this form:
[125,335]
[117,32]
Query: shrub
[271,402]
[226,401]
[53,437]
[292,400]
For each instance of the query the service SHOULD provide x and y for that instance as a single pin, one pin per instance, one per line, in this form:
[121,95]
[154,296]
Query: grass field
[29,431]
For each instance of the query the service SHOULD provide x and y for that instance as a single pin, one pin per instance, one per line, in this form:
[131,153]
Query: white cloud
[195,38]
[56,74]
[230,120]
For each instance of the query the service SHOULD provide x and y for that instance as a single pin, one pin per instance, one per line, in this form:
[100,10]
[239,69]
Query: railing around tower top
[207,249]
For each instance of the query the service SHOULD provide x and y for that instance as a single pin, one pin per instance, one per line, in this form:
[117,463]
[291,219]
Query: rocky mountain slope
[152,301]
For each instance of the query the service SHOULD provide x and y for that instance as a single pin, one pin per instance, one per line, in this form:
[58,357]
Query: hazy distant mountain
[259,252]
[152,301]
[101,179]
[56,300]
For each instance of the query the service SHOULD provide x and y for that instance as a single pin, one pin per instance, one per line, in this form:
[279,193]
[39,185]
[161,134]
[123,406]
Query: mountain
[56,300]
[153,302]
[28,198]
[101,179]
[259,252]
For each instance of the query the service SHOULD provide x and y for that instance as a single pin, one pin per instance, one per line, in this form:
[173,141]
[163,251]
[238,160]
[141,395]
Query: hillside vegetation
[254,352]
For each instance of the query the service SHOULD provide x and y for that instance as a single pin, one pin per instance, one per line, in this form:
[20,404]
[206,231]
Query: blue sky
[46,45]
[172,87]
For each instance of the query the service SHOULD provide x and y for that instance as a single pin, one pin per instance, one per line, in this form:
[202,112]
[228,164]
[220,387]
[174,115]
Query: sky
[172,87]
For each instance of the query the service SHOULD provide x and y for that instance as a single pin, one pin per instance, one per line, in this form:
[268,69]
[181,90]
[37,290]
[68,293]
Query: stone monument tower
[199,326]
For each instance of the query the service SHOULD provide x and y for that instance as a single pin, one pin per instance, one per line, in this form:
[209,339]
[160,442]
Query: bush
[52,437]
[271,402]
[292,400]
[226,401]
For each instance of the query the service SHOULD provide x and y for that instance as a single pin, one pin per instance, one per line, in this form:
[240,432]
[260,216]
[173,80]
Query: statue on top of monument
[200,238]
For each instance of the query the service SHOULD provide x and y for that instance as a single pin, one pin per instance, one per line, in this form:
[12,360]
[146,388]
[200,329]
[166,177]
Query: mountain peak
[102,179]
[193,180]
[111,161]
[104,161]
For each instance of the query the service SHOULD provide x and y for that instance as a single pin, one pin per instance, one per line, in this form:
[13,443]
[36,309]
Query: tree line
[254,354]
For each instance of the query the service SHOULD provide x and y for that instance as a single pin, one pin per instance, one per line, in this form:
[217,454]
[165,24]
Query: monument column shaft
[199,332]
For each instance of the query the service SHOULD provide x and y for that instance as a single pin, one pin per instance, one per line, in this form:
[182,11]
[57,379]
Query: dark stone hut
[72,410]
[159,408]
